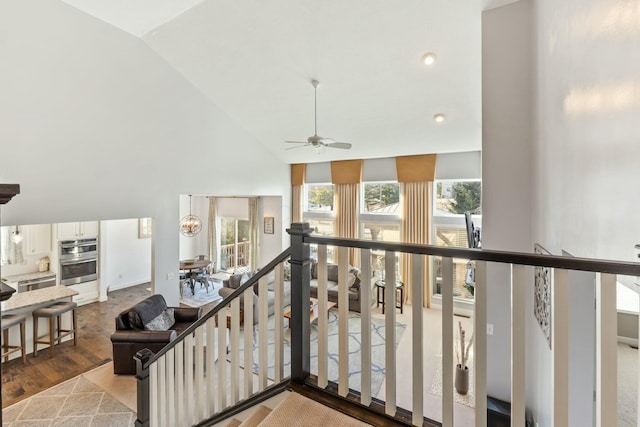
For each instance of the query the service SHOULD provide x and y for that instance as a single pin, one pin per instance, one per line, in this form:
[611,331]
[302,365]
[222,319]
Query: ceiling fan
[317,141]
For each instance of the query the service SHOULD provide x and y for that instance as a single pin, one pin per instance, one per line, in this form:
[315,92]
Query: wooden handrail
[523,258]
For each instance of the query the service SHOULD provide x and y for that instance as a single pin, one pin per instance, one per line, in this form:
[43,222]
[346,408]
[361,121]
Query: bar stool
[9,320]
[54,311]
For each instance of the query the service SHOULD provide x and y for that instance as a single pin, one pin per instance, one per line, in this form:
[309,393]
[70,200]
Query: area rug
[436,384]
[201,296]
[377,350]
[76,402]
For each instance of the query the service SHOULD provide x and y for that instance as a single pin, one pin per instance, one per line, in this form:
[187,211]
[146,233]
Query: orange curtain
[346,176]
[298,174]
[416,175]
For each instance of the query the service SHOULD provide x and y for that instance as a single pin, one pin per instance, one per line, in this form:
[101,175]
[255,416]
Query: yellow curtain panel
[346,176]
[420,168]
[298,175]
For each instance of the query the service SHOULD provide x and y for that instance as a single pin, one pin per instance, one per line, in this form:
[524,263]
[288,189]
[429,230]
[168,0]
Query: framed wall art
[268,224]
[542,295]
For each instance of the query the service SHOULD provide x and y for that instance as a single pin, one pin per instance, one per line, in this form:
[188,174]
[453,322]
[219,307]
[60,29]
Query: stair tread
[233,423]
[297,410]
[256,417]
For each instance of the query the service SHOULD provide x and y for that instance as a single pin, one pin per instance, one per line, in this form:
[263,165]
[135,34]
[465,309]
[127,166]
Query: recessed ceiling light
[429,58]
[439,118]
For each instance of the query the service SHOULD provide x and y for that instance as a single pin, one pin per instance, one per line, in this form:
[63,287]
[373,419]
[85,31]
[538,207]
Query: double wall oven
[78,261]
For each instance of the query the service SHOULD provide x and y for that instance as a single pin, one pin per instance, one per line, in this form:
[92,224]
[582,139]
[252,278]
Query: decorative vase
[462,379]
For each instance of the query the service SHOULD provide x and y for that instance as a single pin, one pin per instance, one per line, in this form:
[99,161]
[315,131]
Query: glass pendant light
[190,225]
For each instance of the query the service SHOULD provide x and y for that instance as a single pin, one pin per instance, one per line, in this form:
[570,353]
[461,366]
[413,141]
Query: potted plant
[462,355]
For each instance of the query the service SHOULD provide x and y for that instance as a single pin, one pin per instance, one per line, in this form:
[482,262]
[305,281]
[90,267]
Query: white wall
[109,131]
[127,259]
[586,151]
[506,168]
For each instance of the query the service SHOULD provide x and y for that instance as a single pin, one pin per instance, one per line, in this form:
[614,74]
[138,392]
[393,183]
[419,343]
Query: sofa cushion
[146,310]
[353,278]
[332,272]
[163,322]
[234,281]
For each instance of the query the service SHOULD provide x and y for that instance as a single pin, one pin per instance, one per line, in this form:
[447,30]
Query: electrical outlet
[170,275]
[489,328]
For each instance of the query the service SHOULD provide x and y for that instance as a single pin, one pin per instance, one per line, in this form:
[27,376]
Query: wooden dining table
[189,266]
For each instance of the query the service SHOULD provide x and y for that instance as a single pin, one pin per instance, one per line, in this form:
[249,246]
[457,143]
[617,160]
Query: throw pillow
[287,272]
[332,272]
[162,322]
[354,278]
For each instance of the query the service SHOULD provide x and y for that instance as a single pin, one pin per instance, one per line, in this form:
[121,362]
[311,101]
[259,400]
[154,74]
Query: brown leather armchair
[131,337]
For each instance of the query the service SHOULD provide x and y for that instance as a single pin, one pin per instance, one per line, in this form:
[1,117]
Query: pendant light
[190,225]
[16,237]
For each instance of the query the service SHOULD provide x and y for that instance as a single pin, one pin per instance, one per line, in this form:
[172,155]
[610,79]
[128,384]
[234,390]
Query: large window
[381,198]
[234,243]
[451,200]
[319,198]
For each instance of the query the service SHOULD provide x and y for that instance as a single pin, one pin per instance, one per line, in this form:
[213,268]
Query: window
[457,197]
[318,198]
[381,198]
[381,231]
[234,243]
[452,199]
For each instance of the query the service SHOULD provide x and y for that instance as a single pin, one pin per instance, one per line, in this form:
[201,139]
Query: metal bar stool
[54,311]
[9,320]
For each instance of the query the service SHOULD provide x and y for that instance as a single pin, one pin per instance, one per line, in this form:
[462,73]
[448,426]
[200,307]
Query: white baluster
[188,360]
[322,319]
[162,390]
[154,414]
[171,384]
[480,343]
[560,347]
[518,349]
[248,342]
[447,341]
[235,351]
[222,374]
[606,350]
[180,369]
[212,333]
[263,344]
[365,327]
[390,331]
[278,309]
[417,338]
[343,322]
[199,375]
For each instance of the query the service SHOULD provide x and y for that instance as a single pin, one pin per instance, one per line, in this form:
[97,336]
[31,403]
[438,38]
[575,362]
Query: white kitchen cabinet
[88,292]
[78,230]
[37,239]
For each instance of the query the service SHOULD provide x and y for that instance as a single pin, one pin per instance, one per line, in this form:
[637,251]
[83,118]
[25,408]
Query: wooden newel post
[142,377]
[300,278]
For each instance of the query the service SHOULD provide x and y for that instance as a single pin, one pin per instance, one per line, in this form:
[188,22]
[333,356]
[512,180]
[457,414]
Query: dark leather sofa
[131,337]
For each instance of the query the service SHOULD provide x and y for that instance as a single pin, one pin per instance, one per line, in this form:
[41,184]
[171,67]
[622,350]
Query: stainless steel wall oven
[78,261]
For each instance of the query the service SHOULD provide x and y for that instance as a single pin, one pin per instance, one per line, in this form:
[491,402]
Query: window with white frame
[452,198]
[380,219]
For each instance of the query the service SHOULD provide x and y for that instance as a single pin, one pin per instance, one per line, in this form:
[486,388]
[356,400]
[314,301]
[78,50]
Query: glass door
[234,244]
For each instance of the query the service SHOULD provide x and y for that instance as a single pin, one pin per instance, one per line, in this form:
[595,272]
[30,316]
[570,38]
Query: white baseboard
[629,341]
[112,288]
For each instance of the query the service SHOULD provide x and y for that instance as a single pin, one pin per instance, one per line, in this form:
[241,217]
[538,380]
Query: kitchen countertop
[37,297]
[27,276]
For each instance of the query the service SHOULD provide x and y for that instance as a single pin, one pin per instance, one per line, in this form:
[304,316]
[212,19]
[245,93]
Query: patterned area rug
[201,296]
[436,384]
[377,350]
[76,402]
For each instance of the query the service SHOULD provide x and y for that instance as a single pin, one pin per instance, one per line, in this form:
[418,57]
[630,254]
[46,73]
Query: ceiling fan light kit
[318,142]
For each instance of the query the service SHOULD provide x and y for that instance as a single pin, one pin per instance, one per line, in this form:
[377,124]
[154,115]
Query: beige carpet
[297,410]
[627,385]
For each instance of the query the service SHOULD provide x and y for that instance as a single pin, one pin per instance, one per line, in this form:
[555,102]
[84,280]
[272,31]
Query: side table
[380,284]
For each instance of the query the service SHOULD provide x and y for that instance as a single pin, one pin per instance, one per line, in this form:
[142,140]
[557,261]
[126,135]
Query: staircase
[295,410]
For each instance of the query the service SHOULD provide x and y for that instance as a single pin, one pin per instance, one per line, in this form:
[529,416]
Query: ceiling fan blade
[296,142]
[297,146]
[343,145]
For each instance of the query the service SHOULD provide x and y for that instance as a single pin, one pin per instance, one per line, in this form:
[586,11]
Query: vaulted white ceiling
[255,60]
